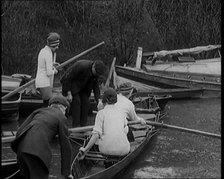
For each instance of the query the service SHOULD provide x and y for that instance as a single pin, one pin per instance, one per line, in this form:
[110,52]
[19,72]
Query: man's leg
[46,94]
[76,110]
[24,170]
[85,105]
[36,166]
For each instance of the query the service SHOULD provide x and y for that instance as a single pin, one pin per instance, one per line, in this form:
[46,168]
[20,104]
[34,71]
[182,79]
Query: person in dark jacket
[33,138]
[77,84]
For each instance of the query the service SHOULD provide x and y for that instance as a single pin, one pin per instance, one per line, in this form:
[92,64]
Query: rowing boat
[184,72]
[142,135]
[175,93]
[31,98]
[10,107]
[97,165]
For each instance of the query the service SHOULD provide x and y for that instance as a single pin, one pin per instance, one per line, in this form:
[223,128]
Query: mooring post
[139,58]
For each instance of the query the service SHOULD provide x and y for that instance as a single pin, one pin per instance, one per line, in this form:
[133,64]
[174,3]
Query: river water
[171,154]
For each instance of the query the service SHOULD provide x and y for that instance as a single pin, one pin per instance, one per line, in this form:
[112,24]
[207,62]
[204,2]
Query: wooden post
[139,58]
[110,73]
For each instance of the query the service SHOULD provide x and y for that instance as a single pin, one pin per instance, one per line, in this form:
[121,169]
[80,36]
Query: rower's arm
[91,142]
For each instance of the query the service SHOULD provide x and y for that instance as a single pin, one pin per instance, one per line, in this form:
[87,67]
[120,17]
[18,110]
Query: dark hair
[109,96]
[100,67]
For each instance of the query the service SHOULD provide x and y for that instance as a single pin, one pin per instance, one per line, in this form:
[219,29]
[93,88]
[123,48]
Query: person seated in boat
[110,129]
[33,138]
[126,106]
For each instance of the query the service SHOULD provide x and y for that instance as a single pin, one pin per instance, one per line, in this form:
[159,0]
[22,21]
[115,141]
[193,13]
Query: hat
[59,99]
[99,67]
[53,39]
[109,96]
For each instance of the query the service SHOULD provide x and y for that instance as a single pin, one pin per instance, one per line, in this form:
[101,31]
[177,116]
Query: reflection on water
[151,172]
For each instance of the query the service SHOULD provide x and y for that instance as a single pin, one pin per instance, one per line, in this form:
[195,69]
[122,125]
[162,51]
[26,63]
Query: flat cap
[59,99]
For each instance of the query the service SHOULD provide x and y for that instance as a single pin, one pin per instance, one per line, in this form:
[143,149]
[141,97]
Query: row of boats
[151,85]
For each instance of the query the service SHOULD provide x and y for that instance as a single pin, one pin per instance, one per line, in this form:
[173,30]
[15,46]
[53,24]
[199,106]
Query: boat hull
[10,107]
[167,82]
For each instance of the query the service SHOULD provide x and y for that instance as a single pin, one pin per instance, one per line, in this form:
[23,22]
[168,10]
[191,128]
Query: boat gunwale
[145,74]
[124,162]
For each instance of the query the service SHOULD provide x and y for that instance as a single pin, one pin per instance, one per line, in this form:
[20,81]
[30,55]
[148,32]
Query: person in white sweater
[46,69]
[110,129]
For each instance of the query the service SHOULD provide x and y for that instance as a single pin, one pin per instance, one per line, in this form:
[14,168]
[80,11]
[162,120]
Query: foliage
[122,24]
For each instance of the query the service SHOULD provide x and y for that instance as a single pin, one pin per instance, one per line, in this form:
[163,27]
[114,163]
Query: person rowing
[110,128]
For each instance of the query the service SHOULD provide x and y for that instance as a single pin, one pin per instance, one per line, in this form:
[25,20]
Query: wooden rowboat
[142,134]
[97,165]
[174,70]
[10,107]
[31,98]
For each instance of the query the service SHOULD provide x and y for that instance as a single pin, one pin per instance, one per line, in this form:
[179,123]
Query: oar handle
[58,67]
[162,125]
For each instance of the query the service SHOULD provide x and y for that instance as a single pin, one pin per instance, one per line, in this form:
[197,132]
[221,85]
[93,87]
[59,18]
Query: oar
[58,67]
[158,124]
[167,126]
[89,128]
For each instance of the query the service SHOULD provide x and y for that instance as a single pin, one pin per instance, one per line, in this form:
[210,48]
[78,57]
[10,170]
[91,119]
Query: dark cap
[59,99]
[100,67]
[109,96]
[53,39]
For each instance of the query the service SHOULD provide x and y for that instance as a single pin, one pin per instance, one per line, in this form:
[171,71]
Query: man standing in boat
[45,69]
[33,138]
[77,84]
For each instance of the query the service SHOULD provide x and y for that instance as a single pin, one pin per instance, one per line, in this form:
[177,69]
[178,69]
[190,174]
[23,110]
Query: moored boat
[175,93]
[10,107]
[184,71]
[31,98]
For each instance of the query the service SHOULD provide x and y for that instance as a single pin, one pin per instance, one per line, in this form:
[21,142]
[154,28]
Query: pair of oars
[17,90]
[156,124]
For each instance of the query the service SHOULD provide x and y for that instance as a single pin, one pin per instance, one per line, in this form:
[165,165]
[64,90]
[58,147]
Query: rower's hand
[55,70]
[142,121]
[69,97]
[100,105]
[56,64]
[81,153]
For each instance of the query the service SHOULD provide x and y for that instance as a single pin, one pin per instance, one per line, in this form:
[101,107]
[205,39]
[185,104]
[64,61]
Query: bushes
[122,24]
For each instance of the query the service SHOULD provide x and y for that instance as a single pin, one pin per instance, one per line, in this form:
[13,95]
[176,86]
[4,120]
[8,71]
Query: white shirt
[127,107]
[111,126]
[45,72]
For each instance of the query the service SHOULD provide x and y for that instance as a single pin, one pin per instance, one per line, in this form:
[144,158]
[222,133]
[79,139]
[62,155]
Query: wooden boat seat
[108,160]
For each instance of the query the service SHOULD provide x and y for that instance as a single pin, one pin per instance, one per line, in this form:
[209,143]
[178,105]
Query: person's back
[110,129]
[113,133]
[125,105]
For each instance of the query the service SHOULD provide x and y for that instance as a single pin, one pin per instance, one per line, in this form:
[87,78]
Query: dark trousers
[31,167]
[79,109]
